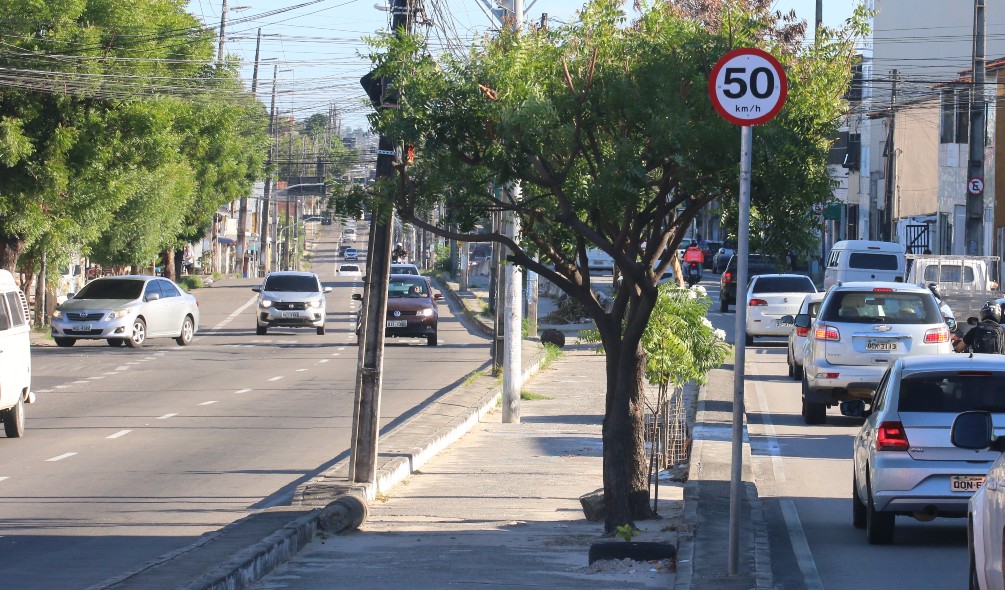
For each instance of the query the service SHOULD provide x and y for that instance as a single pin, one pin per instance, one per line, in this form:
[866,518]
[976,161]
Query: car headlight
[425,313]
[265,303]
[317,303]
[118,313]
[56,314]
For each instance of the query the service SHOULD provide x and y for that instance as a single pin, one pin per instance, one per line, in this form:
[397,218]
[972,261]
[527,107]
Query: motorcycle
[693,274]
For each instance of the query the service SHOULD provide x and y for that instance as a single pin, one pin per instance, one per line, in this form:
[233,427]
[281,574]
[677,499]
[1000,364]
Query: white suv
[863,327]
[291,299]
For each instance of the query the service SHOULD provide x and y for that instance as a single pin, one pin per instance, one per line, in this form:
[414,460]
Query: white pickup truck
[965,282]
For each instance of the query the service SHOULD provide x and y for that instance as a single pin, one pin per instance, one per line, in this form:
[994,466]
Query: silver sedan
[126,310]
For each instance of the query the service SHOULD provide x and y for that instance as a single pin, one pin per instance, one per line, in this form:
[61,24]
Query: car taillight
[802,332]
[937,335]
[757,302]
[827,333]
[891,437]
[727,277]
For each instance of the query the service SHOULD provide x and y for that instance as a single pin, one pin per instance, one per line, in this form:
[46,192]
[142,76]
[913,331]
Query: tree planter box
[637,551]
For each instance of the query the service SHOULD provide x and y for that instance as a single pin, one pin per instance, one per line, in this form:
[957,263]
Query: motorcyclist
[398,254]
[987,336]
[693,256]
[944,308]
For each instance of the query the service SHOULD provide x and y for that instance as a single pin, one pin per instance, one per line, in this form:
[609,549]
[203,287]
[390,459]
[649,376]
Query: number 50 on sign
[748,86]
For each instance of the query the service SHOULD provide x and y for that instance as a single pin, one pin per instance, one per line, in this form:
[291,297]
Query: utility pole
[223,29]
[369,374]
[242,215]
[888,227]
[975,166]
[819,20]
[266,244]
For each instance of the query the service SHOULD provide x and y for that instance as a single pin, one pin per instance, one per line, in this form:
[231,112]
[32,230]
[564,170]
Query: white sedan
[349,270]
[772,300]
[797,337]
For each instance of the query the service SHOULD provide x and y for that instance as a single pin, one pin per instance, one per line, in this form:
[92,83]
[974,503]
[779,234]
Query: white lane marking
[61,457]
[122,368]
[336,353]
[208,403]
[800,546]
[62,386]
[242,390]
[95,378]
[340,348]
[322,361]
[166,416]
[150,358]
[235,313]
[132,364]
[43,391]
[3,477]
[301,370]
[769,427]
[276,378]
[119,433]
[79,382]
[112,373]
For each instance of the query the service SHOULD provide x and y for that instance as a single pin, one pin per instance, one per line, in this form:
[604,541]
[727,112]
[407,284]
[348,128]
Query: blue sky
[316,47]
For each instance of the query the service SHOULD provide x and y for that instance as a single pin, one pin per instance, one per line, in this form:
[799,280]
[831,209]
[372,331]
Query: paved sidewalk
[499,508]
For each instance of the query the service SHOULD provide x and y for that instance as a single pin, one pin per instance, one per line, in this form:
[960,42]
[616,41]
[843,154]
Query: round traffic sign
[748,86]
[975,186]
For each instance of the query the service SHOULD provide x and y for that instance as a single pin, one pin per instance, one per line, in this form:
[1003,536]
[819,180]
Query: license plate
[781,324]
[291,314]
[397,323]
[82,328]
[965,483]
[884,345]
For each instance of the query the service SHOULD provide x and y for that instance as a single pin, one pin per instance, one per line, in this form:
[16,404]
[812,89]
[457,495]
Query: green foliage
[680,343]
[190,282]
[626,532]
[531,396]
[551,354]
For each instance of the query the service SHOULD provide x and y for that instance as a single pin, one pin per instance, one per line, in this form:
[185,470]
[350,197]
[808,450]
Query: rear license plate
[884,345]
[781,324]
[397,323]
[291,314]
[965,483]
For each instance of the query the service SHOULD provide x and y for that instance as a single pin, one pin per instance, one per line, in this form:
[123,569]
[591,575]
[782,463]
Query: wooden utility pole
[265,247]
[366,410]
[975,166]
[888,228]
[242,215]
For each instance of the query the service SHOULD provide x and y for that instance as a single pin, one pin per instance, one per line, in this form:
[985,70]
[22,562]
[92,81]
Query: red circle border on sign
[783,90]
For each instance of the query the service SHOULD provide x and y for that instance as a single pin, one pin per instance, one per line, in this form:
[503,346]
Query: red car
[411,308]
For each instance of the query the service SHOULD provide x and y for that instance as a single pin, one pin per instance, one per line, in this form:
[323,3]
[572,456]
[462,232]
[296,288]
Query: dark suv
[756,265]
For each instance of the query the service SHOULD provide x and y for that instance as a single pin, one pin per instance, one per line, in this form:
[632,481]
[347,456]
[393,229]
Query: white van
[15,356]
[865,260]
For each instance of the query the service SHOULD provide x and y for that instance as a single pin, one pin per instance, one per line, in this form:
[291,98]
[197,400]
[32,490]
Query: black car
[756,265]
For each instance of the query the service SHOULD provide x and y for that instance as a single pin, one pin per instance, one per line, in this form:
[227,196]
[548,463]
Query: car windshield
[403,269]
[112,289]
[784,285]
[405,287]
[349,268]
[298,283]
[957,391]
[871,307]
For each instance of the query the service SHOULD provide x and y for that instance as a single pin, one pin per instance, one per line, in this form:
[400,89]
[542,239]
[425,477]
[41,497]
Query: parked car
[861,329]
[709,249]
[411,308]
[290,299]
[905,462]
[801,323]
[721,257]
[756,265]
[864,260]
[772,301]
[974,431]
[15,356]
[351,254]
[126,310]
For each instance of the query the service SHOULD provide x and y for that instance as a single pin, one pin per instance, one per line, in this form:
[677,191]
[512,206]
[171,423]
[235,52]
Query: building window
[955,116]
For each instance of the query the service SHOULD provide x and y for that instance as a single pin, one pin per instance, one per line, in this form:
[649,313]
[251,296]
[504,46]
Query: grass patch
[471,378]
[379,497]
[190,282]
[551,354]
[531,396]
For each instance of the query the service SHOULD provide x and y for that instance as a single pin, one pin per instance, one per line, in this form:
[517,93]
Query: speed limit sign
[748,86]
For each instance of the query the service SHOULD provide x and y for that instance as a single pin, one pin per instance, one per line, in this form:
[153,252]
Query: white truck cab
[15,356]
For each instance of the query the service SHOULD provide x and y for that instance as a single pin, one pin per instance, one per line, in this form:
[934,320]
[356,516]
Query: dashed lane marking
[95,378]
[61,457]
[166,416]
[246,390]
[276,378]
[119,434]
[3,477]
[322,361]
[213,401]
[122,368]
[301,370]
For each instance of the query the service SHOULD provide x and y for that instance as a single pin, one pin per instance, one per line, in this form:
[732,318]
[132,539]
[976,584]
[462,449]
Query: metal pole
[242,216]
[265,243]
[975,165]
[740,338]
[223,27]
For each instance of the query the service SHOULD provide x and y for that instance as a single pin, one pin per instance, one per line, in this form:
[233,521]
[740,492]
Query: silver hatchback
[905,463]
[126,310]
[291,299]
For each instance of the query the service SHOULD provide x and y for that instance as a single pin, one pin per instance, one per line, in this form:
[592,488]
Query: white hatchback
[772,301]
[862,328]
[802,321]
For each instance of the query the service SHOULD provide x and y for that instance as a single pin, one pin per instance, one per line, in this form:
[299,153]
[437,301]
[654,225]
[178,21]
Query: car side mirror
[327,289]
[153,296]
[787,319]
[70,295]
[357,296]
[972,430]
[802,321]
[951,322]
[972,321]
[438,296]
[854,408]
[257,288]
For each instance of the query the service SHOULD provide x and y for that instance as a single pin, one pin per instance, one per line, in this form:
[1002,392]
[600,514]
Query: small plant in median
[626,532]
[531,396]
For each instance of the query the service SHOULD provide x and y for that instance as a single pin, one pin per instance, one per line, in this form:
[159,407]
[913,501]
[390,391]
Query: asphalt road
[130,454]
[803,476]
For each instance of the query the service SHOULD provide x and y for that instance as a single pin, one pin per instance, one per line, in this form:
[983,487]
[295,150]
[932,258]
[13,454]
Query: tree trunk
[10,251]
[169,269]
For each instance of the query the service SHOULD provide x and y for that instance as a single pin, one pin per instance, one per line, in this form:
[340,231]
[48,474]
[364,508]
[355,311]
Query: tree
[609,129]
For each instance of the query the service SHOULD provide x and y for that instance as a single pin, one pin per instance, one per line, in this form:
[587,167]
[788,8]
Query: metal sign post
[748,87]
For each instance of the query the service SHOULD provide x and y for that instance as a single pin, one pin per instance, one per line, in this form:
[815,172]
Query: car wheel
[13,419]
[431,340]
[748,340]
[797,371]
[723,306]
[65,342]
[138,335]
[115,342]
[788,361]
[858,509]
[813,412]
[321,330]
[878,525]
[187,332]
[261,330]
